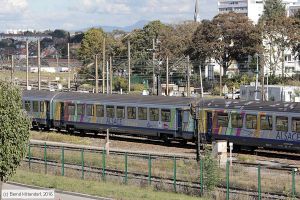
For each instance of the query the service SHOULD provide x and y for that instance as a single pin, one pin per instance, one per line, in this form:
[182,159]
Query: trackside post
[259,182]
[45,157]
[227,180]
[126,168]
[103,164]
[174,175]
[82,163]
[149,169]
[294,183]
[62,161]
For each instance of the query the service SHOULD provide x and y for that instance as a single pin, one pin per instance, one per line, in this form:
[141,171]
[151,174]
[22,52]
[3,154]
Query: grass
[21,75]
[103,189]
[54,137]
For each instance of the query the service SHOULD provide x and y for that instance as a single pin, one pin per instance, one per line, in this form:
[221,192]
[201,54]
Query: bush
[138,87]
[14,130]
[211,172]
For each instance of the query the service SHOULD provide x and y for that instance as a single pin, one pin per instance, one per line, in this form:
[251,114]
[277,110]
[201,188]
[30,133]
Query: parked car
[234,95]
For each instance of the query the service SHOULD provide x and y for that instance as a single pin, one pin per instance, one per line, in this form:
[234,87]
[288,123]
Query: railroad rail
[142,154]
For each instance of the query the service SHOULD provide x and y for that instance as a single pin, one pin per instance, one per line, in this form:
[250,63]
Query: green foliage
[91,45]
[60,34]
[120,82]
[215,90]
[273,9]
[14,130]
[138,87]
[230,36]
[211,171]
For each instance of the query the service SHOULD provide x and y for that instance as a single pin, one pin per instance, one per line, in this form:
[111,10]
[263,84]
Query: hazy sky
[77,14]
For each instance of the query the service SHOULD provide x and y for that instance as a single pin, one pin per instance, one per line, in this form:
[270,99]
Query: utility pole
[69,78]
[12,70]
[201,81]
[27,66]
[167,75]
[263,96]
[103,67]
[221,80]
[153,65]
[111,74]
[107,79]
[39,65]
[129,67]
[188,77]
[256,80]
[96,75]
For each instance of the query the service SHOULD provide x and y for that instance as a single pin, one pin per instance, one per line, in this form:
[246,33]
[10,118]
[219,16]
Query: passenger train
[245,123]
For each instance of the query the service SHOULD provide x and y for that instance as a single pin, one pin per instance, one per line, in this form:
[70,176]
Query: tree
[60,34]
[280,33]
[230,36]
[91,45]
[14,131]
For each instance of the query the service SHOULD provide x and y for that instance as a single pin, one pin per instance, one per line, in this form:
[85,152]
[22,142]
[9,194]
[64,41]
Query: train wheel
[70,129]
[166,139]
[82,132]
[183,142]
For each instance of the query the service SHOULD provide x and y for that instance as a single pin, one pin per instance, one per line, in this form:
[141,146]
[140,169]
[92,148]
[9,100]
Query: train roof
[106,98]
[260,106]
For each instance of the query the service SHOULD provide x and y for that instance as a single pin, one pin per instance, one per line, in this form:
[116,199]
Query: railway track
[154,179]
[139,154]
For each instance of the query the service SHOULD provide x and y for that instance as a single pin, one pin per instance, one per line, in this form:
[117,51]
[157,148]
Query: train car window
[110,111]
[99,110]
[296,124]
[42,106]
[166,115]
[27,106]
[251,121]
[90,110]
[223,119]
[35,106]
[142,113]
[71,109]
[131,112]
[186,116]
[282,124]
[266,122]
[154,114]
[236,120]
[80,109]
[120,112]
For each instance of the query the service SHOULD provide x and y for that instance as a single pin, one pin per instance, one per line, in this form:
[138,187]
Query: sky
[74,15]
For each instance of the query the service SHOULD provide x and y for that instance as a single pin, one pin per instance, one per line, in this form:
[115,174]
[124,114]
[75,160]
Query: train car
[251,124]
[39,107]
[162,117]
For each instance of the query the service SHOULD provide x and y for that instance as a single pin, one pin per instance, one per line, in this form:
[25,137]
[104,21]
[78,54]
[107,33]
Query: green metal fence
[169,172]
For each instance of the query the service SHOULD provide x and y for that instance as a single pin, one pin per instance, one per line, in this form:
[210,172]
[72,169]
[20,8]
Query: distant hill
[137,25]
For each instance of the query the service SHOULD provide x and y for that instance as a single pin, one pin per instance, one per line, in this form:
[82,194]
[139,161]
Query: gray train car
[162,117]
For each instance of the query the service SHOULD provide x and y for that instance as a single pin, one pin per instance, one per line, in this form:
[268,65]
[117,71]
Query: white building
[254,10]
[272,93]
[251,8]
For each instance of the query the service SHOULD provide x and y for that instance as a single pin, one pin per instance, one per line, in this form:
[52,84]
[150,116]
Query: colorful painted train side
[167,118]
[245,123]
[251,124]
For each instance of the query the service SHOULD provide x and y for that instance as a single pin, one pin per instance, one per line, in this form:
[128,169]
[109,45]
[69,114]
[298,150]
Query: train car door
[209,123]
[62,114]
[179,120]
[48,118]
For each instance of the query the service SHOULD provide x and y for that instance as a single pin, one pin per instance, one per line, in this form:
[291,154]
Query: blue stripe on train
[256,141]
